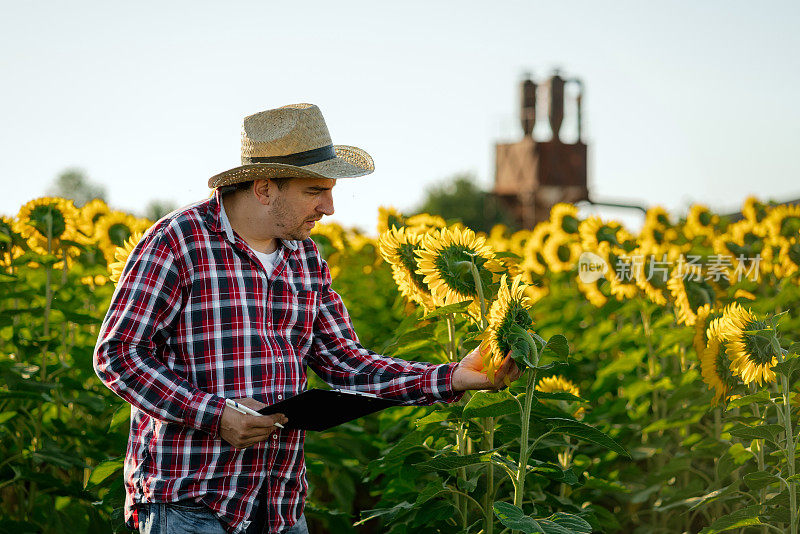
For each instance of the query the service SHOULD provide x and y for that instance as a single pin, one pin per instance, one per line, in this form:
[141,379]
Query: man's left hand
[471,374]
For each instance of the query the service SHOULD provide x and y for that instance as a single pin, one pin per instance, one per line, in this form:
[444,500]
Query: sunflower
[114,229]
[444,261]
[561,252]
[509,309]
[517,242]
[332,232]
[425,222]
[753,210]
[533,257]
[752,356]
[700,222]
[559,384]
[91,213]
[784,221]
[715,364]
[564,217]
[535,285]
[705,314]
[651,270]
[788,260]
[620,273]
[657,227]
[744,244]
[121,256]
[689,294]
[398,248]
[594,231]
[388,217]
[47,217]
[10,241]
[593,291]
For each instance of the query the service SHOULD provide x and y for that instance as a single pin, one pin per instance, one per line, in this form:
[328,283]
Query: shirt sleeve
[133,335]
[339,359]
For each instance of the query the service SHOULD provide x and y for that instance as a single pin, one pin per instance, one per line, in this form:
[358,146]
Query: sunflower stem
[790,447]
[451,337]
[524,453]
[479,288]
[488,496]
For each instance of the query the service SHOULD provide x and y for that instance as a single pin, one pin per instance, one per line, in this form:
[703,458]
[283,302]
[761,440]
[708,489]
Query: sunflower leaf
[760,479]
[794,348]
[558,345]
[579,430]
[458,307]
[770,432]
[490,404]
[739,518]
[514,518]
[789,366]
[760,397]
[447,462]
[559,395]
[570,522]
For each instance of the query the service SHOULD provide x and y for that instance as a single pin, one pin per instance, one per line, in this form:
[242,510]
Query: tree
[74,184]
[460,197]
[156,209]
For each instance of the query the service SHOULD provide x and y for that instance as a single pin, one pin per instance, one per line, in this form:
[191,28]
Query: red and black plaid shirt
[196,319]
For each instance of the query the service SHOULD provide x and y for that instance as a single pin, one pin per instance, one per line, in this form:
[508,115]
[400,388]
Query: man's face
[302,202]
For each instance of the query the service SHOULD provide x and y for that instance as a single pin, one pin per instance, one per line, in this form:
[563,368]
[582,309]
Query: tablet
[321,409]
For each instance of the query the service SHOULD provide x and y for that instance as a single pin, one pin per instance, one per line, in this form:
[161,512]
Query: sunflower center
[698,292]
[563,253]
[569,224]
[118,233]
[48,221]
[794,253]
[704,218]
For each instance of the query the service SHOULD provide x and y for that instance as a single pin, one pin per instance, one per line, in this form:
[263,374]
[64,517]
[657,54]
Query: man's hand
[471,374]
[242,430]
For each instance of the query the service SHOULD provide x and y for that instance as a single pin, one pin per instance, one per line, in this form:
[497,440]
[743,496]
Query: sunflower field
[659,391]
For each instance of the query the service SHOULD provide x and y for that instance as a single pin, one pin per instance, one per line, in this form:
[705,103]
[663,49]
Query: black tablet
[321,409]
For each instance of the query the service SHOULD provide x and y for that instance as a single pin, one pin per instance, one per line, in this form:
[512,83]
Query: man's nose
[326,205]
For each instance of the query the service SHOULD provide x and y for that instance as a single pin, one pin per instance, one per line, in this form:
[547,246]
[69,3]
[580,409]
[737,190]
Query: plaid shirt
[196,319]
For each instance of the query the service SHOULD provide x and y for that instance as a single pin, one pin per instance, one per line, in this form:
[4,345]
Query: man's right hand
[242,430]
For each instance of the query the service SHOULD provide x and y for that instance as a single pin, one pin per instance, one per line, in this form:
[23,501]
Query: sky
[684,101]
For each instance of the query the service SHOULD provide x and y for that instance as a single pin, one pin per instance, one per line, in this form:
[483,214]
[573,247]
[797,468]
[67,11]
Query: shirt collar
[218,221]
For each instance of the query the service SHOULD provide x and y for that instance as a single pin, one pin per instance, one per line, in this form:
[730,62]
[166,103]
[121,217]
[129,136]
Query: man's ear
[263,191]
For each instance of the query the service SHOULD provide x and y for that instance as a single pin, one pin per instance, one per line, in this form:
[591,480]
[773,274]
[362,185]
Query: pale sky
[685,101]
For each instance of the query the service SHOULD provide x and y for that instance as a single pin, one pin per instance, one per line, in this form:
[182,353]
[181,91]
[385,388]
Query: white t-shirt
[267,260]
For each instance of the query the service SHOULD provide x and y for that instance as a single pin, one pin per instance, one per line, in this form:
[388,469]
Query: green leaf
[558,395]
[794,348]
[558,345]
[585,432]
[7,416]
[389,513]
[572,523]
[121,415]
[105,470]
[490,404]
[760,479]
[770,432]
[447,462]
[790,364]
[760,397]
[458,307]
[515,519]
[715,495]
[736,519]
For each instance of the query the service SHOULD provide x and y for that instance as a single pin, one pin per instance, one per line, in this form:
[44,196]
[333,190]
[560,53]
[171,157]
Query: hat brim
[350,162]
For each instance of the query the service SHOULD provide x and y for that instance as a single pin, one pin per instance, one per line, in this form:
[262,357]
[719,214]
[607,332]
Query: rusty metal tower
[532,176]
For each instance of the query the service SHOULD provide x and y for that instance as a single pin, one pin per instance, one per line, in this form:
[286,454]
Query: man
[229,299]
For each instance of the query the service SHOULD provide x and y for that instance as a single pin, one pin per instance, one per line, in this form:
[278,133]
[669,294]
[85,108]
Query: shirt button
[274,436]
[280,359]
[280,397]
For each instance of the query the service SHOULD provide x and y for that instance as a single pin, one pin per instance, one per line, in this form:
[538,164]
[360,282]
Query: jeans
[189,517]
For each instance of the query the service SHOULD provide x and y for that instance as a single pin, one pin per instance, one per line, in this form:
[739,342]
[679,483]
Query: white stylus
[245,410]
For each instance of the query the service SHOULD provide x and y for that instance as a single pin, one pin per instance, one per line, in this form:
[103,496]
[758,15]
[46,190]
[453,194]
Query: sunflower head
[445,261]
[389,217]
[399,247]
[715,363]
[10,241]
[507,315]
[559,384]
[114,229]
[424,222]
[121,255]
[753,210]
[700,221]
[46,222]
[752,355]
[564,218]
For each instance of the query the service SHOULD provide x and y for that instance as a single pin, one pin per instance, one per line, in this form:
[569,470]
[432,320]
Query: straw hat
[292,141]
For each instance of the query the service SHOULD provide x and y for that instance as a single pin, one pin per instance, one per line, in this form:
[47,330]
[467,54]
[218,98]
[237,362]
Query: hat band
[300,159]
